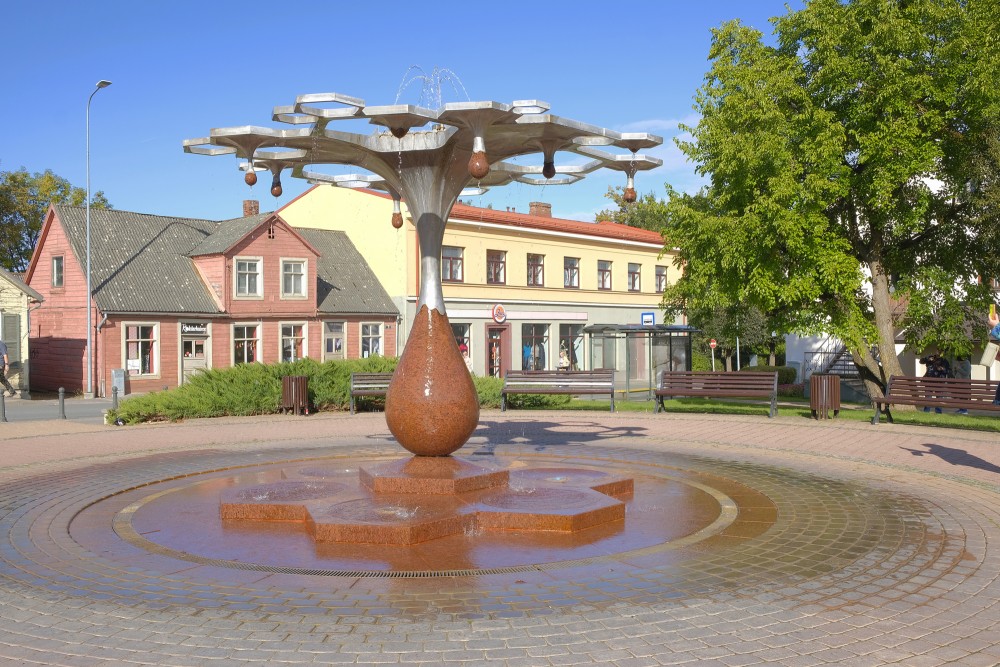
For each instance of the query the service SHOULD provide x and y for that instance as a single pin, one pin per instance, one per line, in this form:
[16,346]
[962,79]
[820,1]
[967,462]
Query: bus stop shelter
[641,351]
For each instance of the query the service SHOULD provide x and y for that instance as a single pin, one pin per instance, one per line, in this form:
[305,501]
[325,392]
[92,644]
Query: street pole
[90,335]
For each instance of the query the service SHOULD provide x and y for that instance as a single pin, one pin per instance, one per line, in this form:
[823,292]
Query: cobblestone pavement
[871,546]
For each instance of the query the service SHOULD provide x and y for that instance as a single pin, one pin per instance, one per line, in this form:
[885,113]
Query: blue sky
[181,68]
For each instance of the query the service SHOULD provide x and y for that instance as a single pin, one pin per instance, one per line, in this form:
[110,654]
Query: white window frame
[259,294]
[281,340]
[157,361]
[362,338]
[58,271]
[256,340]
[304,293]
[327,335]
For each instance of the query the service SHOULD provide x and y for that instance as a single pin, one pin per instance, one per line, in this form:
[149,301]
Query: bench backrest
[956,389]
[600,376]
[370,381]
[750,382]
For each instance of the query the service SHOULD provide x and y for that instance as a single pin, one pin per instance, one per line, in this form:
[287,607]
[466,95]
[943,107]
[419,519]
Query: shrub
[255,389]
[786,374]
[488,389]
[796,390]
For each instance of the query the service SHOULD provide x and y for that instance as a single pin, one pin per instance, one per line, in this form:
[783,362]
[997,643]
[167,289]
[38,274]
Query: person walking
[4,368]
[937,367]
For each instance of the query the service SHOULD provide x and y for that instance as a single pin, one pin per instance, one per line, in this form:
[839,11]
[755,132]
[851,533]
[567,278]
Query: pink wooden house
[171,296]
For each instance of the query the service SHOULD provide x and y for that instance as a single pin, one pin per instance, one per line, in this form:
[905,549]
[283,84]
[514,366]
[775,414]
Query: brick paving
[876,546]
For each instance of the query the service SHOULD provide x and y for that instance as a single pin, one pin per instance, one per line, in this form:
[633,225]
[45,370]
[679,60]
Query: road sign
[712,344]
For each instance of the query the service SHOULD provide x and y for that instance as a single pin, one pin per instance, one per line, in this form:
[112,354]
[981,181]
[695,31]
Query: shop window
[245,342]
[634,277]
[248,281]
[293,278]
[371,339]
[571,272]
[293,342]
[603,274]
[661,279]
[141,349]
[496,267]
[536,270]
[451,264]
[534,344]
[333,340]
[193,348]
[57,271]
[463,337]
[570,346]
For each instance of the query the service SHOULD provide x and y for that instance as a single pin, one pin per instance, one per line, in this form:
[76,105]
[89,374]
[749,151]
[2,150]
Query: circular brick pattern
[853,561]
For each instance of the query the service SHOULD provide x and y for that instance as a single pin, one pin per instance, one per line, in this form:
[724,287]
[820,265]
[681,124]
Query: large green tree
[841,165]
[24,200]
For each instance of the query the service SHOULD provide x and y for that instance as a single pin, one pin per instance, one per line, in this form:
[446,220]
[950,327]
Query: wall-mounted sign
[499,313]
[648,319]
[194,328]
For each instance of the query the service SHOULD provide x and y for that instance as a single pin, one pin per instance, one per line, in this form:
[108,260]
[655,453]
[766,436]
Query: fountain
[427,158]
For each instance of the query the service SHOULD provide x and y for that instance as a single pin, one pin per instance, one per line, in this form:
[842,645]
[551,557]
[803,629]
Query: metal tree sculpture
[431,407]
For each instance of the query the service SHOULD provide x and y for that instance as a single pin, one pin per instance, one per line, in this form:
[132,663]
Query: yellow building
[519,288]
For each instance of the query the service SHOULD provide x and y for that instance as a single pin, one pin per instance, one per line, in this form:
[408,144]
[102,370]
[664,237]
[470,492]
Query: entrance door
[192,356]
[497,351]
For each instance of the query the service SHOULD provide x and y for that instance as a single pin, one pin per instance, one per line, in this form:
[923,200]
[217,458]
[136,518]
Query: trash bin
[295,394]
[824,395]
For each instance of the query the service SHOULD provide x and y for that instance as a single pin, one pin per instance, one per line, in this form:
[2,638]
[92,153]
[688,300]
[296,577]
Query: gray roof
[141,263]
[134,255]
[346,282]
[227,234]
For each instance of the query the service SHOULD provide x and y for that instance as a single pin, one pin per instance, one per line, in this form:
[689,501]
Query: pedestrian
[464,349]
[962,370]
[937,367]
[4,369]
[995,333]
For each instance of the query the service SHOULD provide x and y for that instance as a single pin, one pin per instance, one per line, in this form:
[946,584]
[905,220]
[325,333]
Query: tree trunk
[884,324]
[876,372]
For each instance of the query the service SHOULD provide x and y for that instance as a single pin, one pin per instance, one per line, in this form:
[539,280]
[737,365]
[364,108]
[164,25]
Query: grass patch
[799,408]
[255,389]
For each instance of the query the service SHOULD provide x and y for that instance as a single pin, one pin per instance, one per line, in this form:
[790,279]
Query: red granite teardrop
[431,407]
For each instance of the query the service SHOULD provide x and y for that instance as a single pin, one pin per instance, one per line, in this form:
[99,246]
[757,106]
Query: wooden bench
[369,384]
[558,382]
[930,392]
[718,385]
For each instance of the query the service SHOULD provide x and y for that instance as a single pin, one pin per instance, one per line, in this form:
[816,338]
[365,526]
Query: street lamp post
[90,334]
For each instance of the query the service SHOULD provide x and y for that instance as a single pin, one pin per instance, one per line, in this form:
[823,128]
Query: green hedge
[255,389]
[786,374]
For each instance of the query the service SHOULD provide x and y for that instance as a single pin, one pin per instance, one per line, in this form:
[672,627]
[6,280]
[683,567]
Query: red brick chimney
[250,207]
[540,208]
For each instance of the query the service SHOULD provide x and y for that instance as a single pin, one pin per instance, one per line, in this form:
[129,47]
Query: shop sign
[194,328]
[499,313]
